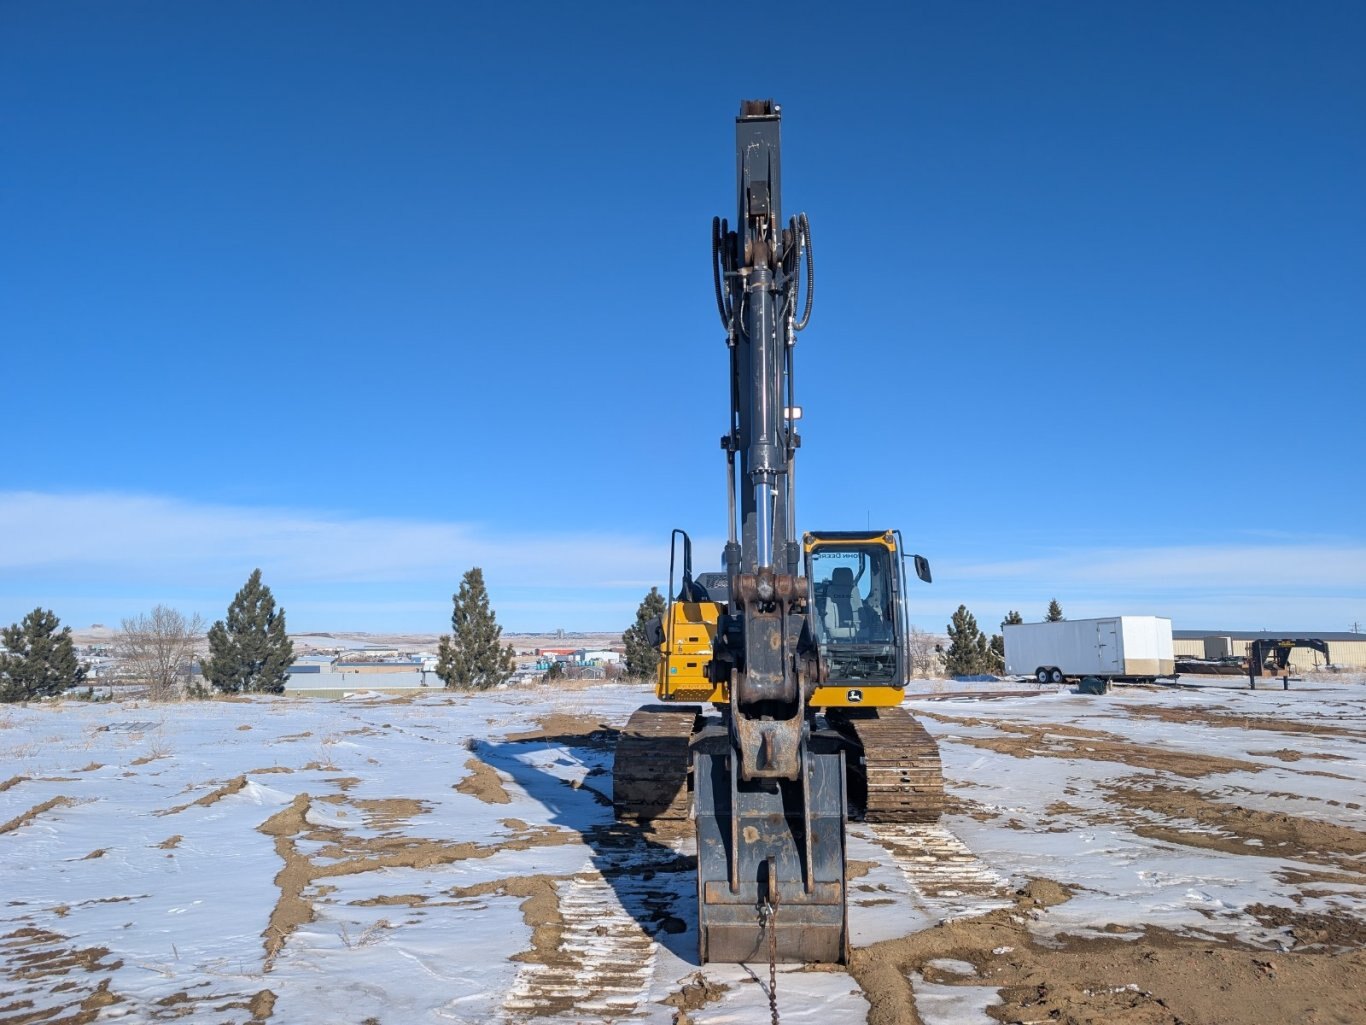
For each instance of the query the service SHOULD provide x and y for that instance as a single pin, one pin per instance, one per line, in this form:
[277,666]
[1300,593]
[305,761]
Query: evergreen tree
[1054,612]
[968,652]
[39,661]
[998,641]
[251,651]
[642,656]
[471,657]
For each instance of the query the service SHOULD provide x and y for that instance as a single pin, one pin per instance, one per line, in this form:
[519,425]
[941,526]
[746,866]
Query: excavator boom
[798,643]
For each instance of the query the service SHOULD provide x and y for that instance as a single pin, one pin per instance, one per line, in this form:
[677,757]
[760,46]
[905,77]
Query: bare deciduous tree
[158,648]
[921,648]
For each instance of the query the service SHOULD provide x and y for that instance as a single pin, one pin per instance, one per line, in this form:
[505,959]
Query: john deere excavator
[799,643]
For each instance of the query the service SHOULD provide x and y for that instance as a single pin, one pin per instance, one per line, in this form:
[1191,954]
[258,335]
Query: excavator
[781,677]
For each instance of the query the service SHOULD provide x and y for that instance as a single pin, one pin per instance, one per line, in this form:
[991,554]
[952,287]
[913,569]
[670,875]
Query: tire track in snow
[603,966]
[949,879]
[605,962]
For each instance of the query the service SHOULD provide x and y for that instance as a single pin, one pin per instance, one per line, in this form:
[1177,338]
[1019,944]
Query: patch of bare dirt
[1004,726]
[290,737]
[32,953]
[349,855]
[1299,877]
[13,781]
[1238,830]
[696,993]
[588,730]
[1287,754]
[365,854]
[35,958]
[1156,978]
[386,814]
[1231,720]
[955,804]
[1055,742]
[232,786]
[98,852]
[410,900]
[34,812]
[540,911]
[483,782]
[857,869]
[262,1005]
[1309,930]
[171,842]
[291,910]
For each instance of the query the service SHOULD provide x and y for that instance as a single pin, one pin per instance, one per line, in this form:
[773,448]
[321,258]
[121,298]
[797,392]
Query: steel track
[898,777]
[650,773]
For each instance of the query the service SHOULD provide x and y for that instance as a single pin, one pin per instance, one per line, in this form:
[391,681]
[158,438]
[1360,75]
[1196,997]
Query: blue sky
[367,294]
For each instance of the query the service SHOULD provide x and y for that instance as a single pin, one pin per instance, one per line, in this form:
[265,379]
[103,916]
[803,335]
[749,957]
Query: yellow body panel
[880,696]
[810,542]
[689,632]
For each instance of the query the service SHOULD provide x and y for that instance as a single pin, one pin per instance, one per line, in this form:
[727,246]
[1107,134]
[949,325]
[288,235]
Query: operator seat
[842,605]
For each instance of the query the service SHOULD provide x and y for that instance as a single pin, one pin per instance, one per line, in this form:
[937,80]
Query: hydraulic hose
[804,227]
[716,270]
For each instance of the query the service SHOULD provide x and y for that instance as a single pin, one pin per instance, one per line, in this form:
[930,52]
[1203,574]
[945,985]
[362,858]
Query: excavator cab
[858,615]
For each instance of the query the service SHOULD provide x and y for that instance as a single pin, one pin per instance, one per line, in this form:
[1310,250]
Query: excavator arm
[799,643]
[764,650]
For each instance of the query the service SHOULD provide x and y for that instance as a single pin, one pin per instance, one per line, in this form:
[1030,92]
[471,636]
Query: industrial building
[1347,650]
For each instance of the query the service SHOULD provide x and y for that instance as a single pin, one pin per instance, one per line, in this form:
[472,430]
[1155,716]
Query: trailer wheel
[1041,675]
[1055,676]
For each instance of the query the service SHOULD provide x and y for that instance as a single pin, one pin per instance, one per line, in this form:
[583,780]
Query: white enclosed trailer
[1119,647]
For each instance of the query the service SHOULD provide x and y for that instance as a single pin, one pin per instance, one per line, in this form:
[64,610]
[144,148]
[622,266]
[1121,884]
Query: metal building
[1347,649]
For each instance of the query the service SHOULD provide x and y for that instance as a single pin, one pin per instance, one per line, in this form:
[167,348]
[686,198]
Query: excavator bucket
[770,857]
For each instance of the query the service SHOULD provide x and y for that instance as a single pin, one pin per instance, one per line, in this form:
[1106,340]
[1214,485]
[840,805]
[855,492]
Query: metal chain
[769,915]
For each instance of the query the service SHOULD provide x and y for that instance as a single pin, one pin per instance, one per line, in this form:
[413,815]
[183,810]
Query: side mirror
[922,568]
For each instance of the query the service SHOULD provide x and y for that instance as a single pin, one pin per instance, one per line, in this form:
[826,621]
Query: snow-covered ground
[375,860]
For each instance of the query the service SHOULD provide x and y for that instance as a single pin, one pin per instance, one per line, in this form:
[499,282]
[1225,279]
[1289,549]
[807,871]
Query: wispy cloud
[134,537]
[1278,566]
[130,550]
[103,555]
[1280,584]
